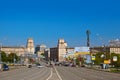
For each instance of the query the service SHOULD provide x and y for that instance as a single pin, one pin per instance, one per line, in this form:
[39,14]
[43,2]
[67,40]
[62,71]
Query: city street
[72,73]
[25,73]
[57,73]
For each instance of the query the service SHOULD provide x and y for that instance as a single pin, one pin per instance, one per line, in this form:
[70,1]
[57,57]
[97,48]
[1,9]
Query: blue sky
[48,20]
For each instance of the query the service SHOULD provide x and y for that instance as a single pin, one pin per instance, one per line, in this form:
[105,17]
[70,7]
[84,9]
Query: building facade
[54,55]
[58,53]
[110,49]
[62,45]
[39,49]
[115,43]
[19,50]
[115,50]
[30,46]
[47,54]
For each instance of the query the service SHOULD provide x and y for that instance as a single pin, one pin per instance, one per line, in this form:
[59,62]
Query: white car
[39,66]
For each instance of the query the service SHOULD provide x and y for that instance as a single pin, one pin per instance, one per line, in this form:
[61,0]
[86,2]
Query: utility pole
[104,51]
[88,43]
[88,38]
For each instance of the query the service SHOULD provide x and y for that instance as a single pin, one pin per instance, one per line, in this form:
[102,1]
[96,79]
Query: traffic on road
[45,72]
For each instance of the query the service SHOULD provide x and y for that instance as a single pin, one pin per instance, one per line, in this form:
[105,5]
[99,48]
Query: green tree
[3,57]
[115,63]
[101,56]
[98,59]
[13,56]
[42,54]
[77,62]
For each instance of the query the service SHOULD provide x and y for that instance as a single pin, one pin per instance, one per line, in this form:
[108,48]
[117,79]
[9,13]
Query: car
[82,65]
[57,63]
[39,65]
[5,67]
[72,65]
[66,63]
[29,65]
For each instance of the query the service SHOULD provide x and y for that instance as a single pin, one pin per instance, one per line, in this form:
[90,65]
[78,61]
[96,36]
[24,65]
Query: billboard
[114,58]
[93,58]
[82,50]
[106,61]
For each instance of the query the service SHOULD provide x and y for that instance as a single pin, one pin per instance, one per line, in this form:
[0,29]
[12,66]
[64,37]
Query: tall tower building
[62,45]
[88,38]
[30,46]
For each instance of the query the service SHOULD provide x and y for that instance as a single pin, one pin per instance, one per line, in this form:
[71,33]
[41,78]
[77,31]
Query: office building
[58,53]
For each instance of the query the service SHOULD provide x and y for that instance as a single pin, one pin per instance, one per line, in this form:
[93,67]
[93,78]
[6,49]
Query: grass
[116,70]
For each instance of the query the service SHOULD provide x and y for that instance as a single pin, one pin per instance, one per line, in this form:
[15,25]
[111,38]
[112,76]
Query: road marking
[58,74]
[50,75]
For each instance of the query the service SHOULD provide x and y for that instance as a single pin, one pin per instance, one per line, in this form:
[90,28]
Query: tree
[3,57]
[98,59]
[13,56]
[115,63]
[42,54]
[101,56]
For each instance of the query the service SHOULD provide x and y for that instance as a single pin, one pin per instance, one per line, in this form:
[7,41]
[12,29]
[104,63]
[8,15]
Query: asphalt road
[25,73]
[57,73]
[71,73]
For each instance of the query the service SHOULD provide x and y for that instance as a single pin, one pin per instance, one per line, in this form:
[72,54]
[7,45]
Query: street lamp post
[14,57]
[104,51]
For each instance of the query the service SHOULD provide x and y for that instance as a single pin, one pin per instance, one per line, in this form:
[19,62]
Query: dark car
[5,67]
[82,65]
[66,64]
[29,66]
[57,63]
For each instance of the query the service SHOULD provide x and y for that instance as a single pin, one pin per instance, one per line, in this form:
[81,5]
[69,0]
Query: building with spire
[19,50]
[30,46]
[58,53]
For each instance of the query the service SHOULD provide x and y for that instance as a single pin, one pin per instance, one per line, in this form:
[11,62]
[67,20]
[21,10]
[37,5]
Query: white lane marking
[58,74]
[50,75]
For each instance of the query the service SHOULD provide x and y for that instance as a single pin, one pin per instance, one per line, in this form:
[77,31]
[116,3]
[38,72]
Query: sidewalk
[114,70]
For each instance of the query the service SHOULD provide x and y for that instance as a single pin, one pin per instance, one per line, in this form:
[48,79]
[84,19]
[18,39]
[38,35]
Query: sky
[46,21]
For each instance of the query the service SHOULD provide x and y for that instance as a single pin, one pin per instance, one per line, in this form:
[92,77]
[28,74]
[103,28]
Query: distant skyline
[46,21]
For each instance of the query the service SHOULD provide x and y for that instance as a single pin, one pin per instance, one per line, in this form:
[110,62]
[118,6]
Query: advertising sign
[93,58]
[115,58]
[82,49]
[106,61]
[88,59]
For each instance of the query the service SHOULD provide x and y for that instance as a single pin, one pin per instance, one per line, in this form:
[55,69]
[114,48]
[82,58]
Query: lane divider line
[58,74]
[50,75]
